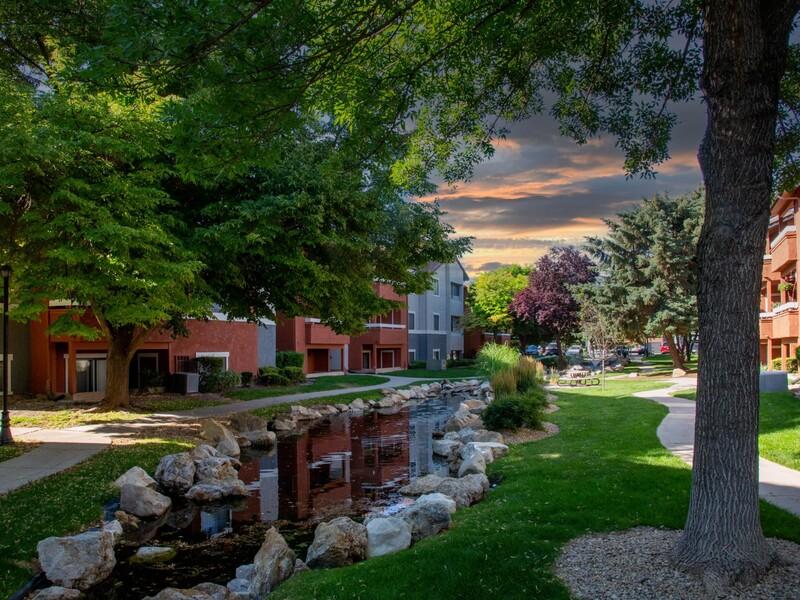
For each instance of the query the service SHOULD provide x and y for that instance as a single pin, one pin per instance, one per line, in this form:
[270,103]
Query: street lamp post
[5,425]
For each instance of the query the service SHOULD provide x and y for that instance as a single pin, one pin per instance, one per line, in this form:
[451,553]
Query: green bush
[460,362]
[213,376]
[512,412]
[289,359]
[417,364]
[229,380]
[267,374]
[497,357]
[293,374]
[791,364]
[279,380]
[247,378]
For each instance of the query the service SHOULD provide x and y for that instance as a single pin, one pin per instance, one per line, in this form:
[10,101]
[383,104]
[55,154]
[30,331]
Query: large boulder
[202,591]
[142,501]
[303,413]
[482,435]
[461,419]
[175,472]
[215,469]
[135,476]
[490,450]
[473,464]
[386,535]
[422,485]
[336,543]
[273,564]
[448,449]
[212,490]
[78,561]
[247,421]
[56,592]
[202,451]
[465,490]
[427,518]
[260,438]
[436,497]
[221,437]
[153,554]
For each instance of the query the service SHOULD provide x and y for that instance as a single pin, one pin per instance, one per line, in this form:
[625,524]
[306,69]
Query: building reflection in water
[339,466]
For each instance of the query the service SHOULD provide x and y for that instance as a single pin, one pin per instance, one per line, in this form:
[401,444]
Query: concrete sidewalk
[64,448]
[778,485]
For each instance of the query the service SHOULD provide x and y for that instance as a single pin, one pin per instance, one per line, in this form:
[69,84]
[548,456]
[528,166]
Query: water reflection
[343,465]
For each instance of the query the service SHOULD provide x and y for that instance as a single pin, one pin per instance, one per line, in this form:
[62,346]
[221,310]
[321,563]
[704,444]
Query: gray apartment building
[434,318]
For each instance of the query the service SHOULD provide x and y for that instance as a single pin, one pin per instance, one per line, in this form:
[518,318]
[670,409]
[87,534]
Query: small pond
[344,465]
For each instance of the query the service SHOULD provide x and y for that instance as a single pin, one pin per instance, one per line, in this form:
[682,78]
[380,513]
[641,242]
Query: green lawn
[605,471]
[779,437]
[318,384]
[662,364]
[15,449]
[454,373]
[65,503]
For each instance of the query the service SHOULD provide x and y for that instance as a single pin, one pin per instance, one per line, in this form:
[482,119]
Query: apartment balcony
[784,249]
[317,333]
[385,334]
[765,325]
[785,321]
[766,269]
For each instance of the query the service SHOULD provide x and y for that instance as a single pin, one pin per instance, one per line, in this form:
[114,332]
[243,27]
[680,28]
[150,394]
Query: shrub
[293,374]
[504,383]
[267,374]
[529,373]
[247,378]
[229,380]
[211,369]
[512,412]
[548,361]
[460,362]
[791,364]
[279,380]
[417,364]
[497,357]
[289,359]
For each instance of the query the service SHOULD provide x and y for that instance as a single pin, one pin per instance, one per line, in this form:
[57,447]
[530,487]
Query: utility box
[186,383]
[436,364]
[773,381]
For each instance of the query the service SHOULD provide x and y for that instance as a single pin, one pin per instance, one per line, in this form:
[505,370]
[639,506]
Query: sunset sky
[541,189]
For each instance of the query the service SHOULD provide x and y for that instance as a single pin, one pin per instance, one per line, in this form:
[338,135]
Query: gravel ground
[633,565]
[522,435]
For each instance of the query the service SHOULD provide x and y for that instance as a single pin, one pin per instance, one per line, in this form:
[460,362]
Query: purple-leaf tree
[548,299]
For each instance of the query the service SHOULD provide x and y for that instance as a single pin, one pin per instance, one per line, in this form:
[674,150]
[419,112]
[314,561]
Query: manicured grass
[65,503]
[70,417]
[15,449]
[454,373]
[318,384]
[662,364]
[605,471]
[779,426]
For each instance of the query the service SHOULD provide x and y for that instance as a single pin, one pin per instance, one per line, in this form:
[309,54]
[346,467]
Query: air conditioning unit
[436,364]
[186,383]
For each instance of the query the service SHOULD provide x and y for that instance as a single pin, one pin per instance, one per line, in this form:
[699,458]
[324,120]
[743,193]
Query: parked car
[533,350]
[551,349]
[621,350]
[574,351]
[664,349]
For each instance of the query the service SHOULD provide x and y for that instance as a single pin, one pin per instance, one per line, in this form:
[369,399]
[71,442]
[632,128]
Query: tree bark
[123,342]
[745,46]
[674,352]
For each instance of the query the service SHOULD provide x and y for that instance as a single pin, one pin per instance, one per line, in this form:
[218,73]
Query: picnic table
[578,376]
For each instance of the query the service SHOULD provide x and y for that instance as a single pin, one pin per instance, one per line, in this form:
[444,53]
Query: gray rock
[78,561]
[175,472]
[153,554]
[342,407]
[202,451]
[303,413]
[490,450]
[475,406]
[212,490]
[129,522]
[221,437]
[57,592]
[358,404]
[482,435]
[449,449]
[436,497]
[247,421]
[427,518]
[215,469]
[273,564]
[283,425]
[460,420]
[202,591]
[245,571]
[473,464]
[326,410]
[239,586]
[300,566]
[465,490]
[262,438]
[114,528]
[336,543]
[386,535]
[143,502]
[422,485]
[452,435]
[212,590]
[135,476]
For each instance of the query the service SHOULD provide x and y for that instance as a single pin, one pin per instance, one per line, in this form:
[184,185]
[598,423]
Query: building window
[223,355]
[437,354]
[10,364]
[436,321]
[412,320]
[455,323]
[365,359]
[435,286]
[455,290]
[412,355]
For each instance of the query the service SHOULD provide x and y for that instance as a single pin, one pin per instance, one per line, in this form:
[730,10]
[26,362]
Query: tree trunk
[674,352]
[122,345]
[745,46]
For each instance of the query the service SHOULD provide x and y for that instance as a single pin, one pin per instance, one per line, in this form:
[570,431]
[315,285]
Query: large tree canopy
[649,265]
[490,296]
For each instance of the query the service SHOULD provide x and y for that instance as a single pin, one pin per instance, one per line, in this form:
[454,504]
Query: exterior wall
[779,323]
[386,338]
[312,338]
[53,359]
[19,356]
[424,338]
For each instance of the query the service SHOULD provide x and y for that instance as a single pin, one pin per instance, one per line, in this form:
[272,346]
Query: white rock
[202,451]
[358,404]
[472,465]
[303,413]
[427,518]
[422,485]
[57,592]
[212,490]
[143,502]
[78,561]
[386,535]
[436,497]
[114,528]
[336,543]
[215,469]
[175,472]
[273,564]
[135,476]
[466,490]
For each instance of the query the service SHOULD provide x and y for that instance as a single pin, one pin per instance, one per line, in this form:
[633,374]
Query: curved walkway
[64,448]
[778,485]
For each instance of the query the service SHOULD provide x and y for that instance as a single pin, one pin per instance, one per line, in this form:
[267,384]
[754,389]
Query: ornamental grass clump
[504,383]
[494,358]
[529,373]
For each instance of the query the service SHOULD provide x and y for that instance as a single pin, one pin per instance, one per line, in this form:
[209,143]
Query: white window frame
[457,327]
[412,354]
[437,322]
[455,287]
[369,354]
[9,387]
[411,314]
[436,289]
[437,354]
[225,355]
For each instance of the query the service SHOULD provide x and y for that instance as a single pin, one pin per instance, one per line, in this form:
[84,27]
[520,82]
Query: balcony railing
[784,248]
